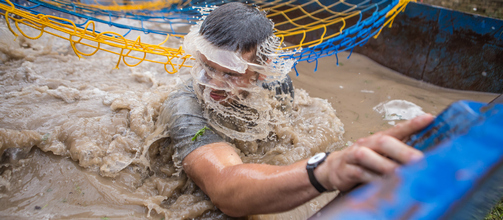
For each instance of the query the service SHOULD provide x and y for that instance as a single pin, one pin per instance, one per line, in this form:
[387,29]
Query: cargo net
[312,28]
[86,40]
[319,30]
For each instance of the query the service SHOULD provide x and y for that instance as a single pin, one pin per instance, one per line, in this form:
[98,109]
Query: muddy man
[236,67]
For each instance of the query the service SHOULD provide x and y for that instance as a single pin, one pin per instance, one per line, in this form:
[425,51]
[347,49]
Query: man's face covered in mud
[229,83]
[225,85]
[235,102]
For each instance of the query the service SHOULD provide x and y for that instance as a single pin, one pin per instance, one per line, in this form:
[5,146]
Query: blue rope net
[316,28]
[358,21]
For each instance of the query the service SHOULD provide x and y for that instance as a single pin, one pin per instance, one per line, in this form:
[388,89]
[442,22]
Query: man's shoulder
[184,89]
[187,127]
[183,99]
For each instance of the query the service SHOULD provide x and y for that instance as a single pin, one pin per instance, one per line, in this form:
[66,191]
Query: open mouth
[218,95]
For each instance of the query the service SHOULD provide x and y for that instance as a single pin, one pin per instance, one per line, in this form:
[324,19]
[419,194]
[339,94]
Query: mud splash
[80,139]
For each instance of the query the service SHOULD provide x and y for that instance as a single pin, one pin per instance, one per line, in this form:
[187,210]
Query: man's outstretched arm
[240,189]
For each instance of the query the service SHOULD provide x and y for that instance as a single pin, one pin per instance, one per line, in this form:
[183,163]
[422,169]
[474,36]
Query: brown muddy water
[79,139]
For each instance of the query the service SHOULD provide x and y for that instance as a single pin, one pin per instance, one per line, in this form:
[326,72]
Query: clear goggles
[206,73]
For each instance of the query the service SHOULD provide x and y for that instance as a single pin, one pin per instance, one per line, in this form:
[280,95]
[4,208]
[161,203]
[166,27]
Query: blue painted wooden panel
[444,47]
[460,178]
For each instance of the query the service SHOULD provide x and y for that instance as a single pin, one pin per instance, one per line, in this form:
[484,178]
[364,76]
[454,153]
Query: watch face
[316,158]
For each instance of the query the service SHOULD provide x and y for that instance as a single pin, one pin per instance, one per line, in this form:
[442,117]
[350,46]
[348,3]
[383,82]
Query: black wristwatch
[312,163]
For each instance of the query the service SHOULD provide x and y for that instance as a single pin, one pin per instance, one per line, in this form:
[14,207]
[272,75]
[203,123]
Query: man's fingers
[369,159]
[358,174]
[391,147]
[405,129]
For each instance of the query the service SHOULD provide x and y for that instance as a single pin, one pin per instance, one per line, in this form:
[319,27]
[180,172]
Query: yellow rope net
[55,26]
[290,21]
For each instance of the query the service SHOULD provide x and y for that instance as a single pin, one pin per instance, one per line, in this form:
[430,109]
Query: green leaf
[200,133]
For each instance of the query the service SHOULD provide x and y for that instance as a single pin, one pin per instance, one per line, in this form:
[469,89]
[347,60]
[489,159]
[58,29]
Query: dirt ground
[489,8]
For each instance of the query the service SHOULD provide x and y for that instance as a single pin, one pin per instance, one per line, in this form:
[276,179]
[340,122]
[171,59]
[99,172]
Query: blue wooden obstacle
[461,176]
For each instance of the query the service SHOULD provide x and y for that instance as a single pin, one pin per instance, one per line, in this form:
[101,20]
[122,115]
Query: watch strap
[317,185]
[310,172]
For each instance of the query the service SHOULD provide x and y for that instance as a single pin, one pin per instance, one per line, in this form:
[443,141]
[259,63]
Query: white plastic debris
[398,110]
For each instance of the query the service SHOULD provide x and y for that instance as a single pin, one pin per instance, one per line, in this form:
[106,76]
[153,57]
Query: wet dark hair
[236,27]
